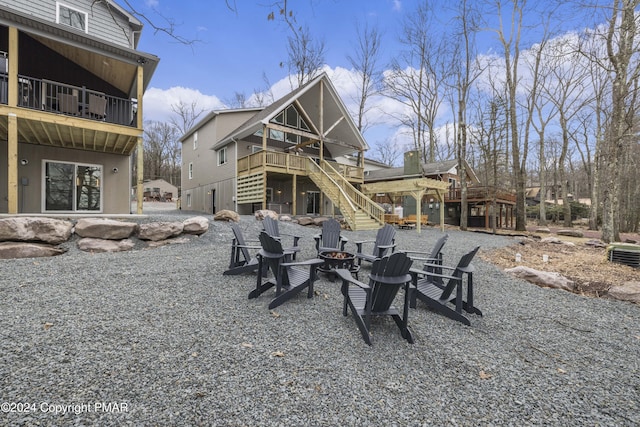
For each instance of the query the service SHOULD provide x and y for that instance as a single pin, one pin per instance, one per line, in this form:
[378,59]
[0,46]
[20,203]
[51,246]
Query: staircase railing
[334,191]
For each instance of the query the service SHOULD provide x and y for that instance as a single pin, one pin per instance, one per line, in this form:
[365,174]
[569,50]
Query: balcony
[481,194]
[289,164]
[54,97]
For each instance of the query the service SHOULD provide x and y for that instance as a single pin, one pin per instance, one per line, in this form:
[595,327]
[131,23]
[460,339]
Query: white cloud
[152,3]
[158,102]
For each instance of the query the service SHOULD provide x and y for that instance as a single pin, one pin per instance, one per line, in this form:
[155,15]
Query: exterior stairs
[359,211]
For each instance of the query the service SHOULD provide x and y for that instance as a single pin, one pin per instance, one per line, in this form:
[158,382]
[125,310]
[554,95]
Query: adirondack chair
[241,260]
[383,245]
[388,275]
[289,278]
[270,225]
[330,239]
[431,258]
[446,298]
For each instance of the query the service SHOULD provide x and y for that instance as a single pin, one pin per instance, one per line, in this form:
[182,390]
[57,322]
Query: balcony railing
[481,193]
[54,97]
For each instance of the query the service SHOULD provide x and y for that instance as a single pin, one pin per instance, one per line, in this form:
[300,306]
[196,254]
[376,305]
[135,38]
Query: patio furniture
[447,298]
[68,104]
[289,278]
[388,275]
[270,225]
[97,107]
[330,240]
[384,244]
[241,261]
[433,259]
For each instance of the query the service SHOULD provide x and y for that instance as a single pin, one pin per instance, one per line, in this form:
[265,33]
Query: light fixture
[114,170]
[24,162]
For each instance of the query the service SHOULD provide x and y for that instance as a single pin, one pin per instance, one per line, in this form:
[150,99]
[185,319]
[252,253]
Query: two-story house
[71,89]
[283,157]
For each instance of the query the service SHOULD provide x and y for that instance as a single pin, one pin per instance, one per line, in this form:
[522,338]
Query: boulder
[551,240]
[159,230]
[305,220]
[319,220]
[90,244]
[100,228]
[544,230]
[628,291]
[570,233]
[226,215]
[545,279]
[286,218]
[263,213]
[176,241]
[35,229]
[9,250]
[596,243]
[196,225]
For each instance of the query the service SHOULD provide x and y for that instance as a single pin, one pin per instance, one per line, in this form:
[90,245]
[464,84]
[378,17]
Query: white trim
[226,156]
[86,17]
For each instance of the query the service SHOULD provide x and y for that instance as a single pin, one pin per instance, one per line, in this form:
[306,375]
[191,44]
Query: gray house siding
[100,18]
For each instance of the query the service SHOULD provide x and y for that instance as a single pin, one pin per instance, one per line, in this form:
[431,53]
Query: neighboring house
[157,190]
[440,197]
[282,157]
[71,89]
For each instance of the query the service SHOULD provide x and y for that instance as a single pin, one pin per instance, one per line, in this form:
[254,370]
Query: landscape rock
[35,229]
[179,240]
[263,213]
[596,243]
[90,244]
[10,250]
[196,225]
[100,228]
[159,230]
[305,220]
[557,241]
[286,218]
[226,215]
[570,233]
[319,220]
[545,230]
[545,279]
[629,291]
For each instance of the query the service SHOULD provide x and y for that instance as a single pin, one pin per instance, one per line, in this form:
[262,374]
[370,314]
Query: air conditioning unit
[624,253]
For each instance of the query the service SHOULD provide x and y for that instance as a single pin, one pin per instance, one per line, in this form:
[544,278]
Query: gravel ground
[164,339]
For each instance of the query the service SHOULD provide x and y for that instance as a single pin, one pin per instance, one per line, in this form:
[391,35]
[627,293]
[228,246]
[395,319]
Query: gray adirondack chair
[383,245]
[447,298]
[270,225]
[330,239]
[431,258]
[388,275]
[241,260]
[289,278]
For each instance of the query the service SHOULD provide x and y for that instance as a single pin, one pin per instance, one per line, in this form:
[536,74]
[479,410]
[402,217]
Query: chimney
[412,163]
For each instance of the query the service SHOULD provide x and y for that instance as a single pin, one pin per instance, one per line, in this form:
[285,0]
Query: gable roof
[428,169]
[342,136]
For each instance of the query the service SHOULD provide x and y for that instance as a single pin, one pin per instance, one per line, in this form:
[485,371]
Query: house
[435,187]
[71,89]
[157,190]
[285,157]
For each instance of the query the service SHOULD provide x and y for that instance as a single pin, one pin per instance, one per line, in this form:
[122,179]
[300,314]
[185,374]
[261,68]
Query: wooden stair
[359,211]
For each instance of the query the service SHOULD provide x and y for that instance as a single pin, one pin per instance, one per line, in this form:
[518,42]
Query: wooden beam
[12,125]
[140,144]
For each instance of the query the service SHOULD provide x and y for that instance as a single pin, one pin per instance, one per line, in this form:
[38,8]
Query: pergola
[416,188]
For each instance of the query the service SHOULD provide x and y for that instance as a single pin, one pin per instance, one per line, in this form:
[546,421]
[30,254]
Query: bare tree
[386,152]
[365,63]
[305,56]
[159,141]
[186,115]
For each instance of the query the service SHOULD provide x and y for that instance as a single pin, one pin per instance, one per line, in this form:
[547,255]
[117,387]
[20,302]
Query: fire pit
[337,259]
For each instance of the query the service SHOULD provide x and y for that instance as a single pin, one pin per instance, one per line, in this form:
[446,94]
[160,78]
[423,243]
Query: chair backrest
[388,275]
[330,237]
[239,237]
[272,252]
[464,262]
[437,248]
[386,236]
[270,225]
[97,105]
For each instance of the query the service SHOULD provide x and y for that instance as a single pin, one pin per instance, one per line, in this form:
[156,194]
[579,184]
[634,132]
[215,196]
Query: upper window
[72,17]
[222,156]
[289,117]
[191,170]
[195,140]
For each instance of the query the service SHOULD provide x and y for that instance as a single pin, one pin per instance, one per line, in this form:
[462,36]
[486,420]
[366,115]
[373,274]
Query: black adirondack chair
[388,275]
[241,260]
[383,245]
[447,298]
[330,239]
[289,278]
[431,258]
[270,225]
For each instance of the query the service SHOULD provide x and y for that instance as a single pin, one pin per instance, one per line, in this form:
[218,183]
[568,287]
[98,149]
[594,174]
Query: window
[256,148]
[188,200]
[72,187]
[191,170]
[71,17]
[222,156]
[195,140]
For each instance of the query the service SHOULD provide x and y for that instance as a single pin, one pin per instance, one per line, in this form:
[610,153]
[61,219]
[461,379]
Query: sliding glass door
[72,187]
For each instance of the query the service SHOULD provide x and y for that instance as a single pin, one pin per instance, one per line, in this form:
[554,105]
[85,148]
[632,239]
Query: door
[72,187]
[313,202]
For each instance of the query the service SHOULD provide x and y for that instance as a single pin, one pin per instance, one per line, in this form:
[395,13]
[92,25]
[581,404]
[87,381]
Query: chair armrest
[346,277]
[248,246]
[314,261]
[415,273]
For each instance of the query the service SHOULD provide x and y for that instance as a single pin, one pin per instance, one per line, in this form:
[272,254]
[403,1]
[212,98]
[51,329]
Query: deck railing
[55,97]
[272,159]
[484,193]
